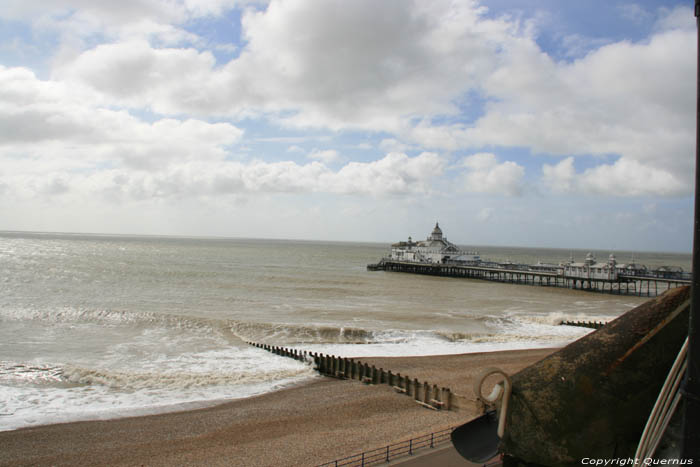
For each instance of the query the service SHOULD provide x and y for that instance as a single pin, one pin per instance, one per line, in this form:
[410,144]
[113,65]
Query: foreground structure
[592,399]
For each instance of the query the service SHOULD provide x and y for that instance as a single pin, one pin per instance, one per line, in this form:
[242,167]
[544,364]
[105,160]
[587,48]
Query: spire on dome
[437,233]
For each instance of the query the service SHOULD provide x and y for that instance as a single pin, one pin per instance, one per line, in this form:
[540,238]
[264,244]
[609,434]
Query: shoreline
[308,423]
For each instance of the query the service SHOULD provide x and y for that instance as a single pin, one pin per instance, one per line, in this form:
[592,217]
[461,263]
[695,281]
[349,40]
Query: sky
[541,123]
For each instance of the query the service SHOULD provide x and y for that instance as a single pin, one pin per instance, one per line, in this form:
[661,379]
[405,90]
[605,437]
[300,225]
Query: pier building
[434,249]
[591,269]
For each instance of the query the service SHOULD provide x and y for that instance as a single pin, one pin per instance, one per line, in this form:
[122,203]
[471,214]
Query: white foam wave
[33,394]
[20,373]
[106,316]
[556,317]
[176,380]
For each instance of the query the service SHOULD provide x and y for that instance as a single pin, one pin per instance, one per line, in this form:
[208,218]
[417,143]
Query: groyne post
[447,398]
[348,368]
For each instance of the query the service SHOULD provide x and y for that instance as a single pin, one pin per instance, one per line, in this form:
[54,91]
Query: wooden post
[446,398]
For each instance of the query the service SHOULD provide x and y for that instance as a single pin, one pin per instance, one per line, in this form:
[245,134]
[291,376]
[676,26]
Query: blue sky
[525,123]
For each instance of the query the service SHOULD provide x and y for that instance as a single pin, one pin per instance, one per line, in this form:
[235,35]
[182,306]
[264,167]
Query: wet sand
[305,425]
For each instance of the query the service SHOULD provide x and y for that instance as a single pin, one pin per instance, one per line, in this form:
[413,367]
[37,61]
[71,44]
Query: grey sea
[96,327]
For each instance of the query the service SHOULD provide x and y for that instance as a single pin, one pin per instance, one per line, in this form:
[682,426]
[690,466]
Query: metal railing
[392,451]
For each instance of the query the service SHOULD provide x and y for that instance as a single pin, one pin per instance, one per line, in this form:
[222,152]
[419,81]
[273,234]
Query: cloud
[136,75]
[623,178]
[328,156]
[83,19]
[410,59]
[633,12]
[394,174]
[560,178]
[484,174]
[59,143]
[141,107]
[620,99]
[679,17]
[47,129]
[393,145]
[485,214]
[412,63]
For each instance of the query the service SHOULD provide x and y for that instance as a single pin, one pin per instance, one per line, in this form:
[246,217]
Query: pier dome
[435,249]
[436,233]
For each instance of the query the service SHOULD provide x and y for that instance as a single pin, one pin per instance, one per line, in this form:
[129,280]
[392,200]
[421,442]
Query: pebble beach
[303,425]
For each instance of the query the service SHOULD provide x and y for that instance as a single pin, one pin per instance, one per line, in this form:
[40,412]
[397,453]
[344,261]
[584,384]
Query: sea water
[95,327]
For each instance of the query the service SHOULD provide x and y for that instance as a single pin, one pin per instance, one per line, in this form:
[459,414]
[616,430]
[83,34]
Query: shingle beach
[304,425]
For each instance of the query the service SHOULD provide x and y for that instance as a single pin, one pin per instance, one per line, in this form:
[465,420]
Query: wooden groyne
[427,395]
[648,286]
[584,324]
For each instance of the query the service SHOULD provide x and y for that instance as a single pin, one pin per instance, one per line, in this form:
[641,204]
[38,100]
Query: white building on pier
[434,249]
[591,269]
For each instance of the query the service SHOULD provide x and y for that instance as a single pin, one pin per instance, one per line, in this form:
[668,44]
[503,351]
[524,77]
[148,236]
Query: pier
[436,256]
[647,285]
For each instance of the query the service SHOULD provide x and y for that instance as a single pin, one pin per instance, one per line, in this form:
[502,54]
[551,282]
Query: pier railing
[622,284]
[392,451]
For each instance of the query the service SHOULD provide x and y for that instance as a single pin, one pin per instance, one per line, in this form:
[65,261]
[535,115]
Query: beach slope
[308,424]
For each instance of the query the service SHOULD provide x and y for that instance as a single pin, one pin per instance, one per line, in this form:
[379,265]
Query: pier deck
[648,285]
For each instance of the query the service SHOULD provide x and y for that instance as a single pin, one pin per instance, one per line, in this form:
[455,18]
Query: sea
[104,326]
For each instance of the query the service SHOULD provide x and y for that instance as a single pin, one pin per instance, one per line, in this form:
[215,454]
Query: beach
[307,424]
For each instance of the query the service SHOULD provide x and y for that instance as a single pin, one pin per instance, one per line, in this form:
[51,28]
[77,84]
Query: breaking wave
[488,329]
[69,375]
[176,380]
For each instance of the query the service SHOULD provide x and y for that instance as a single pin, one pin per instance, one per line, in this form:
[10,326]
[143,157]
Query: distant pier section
[438,257]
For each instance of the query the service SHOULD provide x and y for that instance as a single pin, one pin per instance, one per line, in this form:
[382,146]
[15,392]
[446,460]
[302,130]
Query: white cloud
[126,116]
[410,59]
[410,64]
[633,100]
[51,132]
[137,75]
[56,141]
[633,12]
[484,174]
[485,214]
[113,19]
[394,174]
[623,178]
[679,17]
[393,145]
[327,156]
[560,178]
